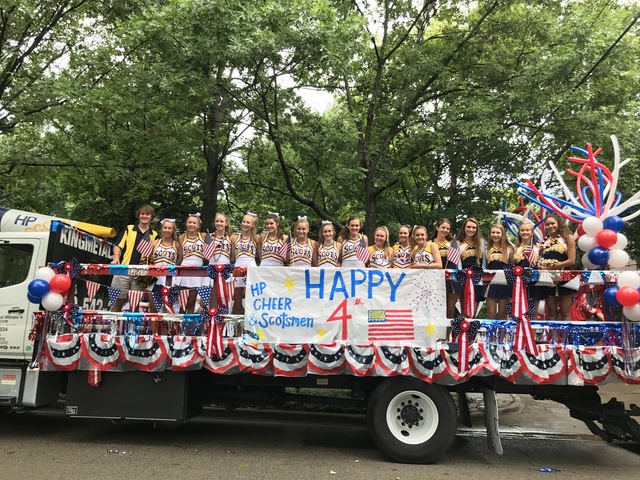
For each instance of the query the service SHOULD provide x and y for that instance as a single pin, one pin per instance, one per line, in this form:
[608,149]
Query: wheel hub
[410,414]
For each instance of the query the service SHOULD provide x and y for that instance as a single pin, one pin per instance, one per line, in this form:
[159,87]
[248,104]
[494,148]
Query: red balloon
[606,238]
[627,296]
[580,231]
[60,283]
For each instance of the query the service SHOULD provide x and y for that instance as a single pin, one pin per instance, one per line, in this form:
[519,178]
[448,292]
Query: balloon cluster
[602,242]
[49,288]
[626,294]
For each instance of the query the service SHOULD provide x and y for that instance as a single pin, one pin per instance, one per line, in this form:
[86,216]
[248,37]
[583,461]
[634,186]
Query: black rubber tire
[402,401]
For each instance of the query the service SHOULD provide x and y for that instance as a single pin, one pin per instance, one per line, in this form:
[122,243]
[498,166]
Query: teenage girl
[521,257]
[498,253]
[472,247]
[192,242]
[557,252]
[272,242]
[442,238]
[402,250]
[380,253]
[166,251]
[425,254]
[303,249]
[222,252]
[351,238]
[328,250]
[245,248]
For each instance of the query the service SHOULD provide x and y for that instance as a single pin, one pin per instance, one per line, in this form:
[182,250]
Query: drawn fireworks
[426,292]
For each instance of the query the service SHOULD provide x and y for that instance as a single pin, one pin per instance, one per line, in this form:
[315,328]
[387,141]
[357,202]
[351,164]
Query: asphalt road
[253,444]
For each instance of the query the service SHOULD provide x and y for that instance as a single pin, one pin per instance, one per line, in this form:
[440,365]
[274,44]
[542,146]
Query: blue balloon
[609,296]
[38,288]
[614,223]
[598,255]
[33,299]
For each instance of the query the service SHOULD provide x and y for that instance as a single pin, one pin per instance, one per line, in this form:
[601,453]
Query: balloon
[580,231]
[38,288]
[618,258]
[598,255]
[628,278]
[632,313]
[45,273]
[606,238]
[614,223]
[52,301]
[60,283]
[542,307]
[586,263]
[587,242]
[622,242]
[33,299]
[592,225]
[627,296]
[609,296]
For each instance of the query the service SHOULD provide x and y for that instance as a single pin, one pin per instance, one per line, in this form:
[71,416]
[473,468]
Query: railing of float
[520,350]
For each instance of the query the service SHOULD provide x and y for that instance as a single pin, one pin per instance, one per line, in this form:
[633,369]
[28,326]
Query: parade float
[382,334]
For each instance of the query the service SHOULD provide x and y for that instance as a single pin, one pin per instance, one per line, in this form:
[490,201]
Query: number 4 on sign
[340,315]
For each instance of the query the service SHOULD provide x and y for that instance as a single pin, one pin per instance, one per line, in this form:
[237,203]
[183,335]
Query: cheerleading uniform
[165,256]
[552,252]
[469,259]
[537,293]
[301,254]
[270,256]
[222,254]
[192,256]
[349,249]
[246,251]
[423,256]
[328,255]
[495,262]
[402,256]
[379,258]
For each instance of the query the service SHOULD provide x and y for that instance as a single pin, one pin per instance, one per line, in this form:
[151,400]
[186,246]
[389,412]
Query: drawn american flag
[391,325]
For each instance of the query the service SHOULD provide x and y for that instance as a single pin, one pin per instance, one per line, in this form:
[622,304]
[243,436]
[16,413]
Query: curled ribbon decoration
[69,313]
[469,277]
[524,338]
[38,318]
[214,317]
[464,331]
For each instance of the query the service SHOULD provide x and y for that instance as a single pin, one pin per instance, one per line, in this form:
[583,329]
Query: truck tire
[411,421]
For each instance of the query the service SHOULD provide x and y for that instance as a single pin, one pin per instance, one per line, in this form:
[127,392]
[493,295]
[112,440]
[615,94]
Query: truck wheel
[411,421]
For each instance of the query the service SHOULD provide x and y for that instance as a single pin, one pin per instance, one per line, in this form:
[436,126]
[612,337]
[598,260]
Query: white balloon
[52,301]
[622,242]
[44,273]
[587,263]
[592,225]
[632,313]
[587,242]
[618,258]
[542,307]
[629,278]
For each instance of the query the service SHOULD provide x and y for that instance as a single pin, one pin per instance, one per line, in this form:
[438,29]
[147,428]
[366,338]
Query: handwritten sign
[349,305]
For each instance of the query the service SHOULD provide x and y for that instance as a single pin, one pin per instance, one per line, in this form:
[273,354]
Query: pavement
[523,414]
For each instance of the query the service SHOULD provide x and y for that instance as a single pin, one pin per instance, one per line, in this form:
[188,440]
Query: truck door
[18,262]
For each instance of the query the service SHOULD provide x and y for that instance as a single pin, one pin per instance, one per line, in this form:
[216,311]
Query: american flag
[210,247]
[183,298]
[453,254]
[92,289]
[391,325]
[362,252]
[530,255]
[284,249]
[145,247]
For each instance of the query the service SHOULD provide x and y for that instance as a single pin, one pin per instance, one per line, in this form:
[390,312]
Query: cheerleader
[166,252]
[402,250]
[442,238]
[192,243]
[557,252]
[327,249]
[381,254]
[472,247]
[221,253]
[351,239]
[272,243]
[303,249]
[497,254]
[245,249]
[525,254]
[425,254]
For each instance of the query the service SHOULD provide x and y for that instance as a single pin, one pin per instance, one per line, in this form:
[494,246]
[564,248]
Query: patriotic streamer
[469,277]
[214,317]
[220,273]
[524,337]
[92,288]
[465,332]
[69,313]
[114,293]
[71,268]
[134,299]
[183,298]
[518,277]
[165,296]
